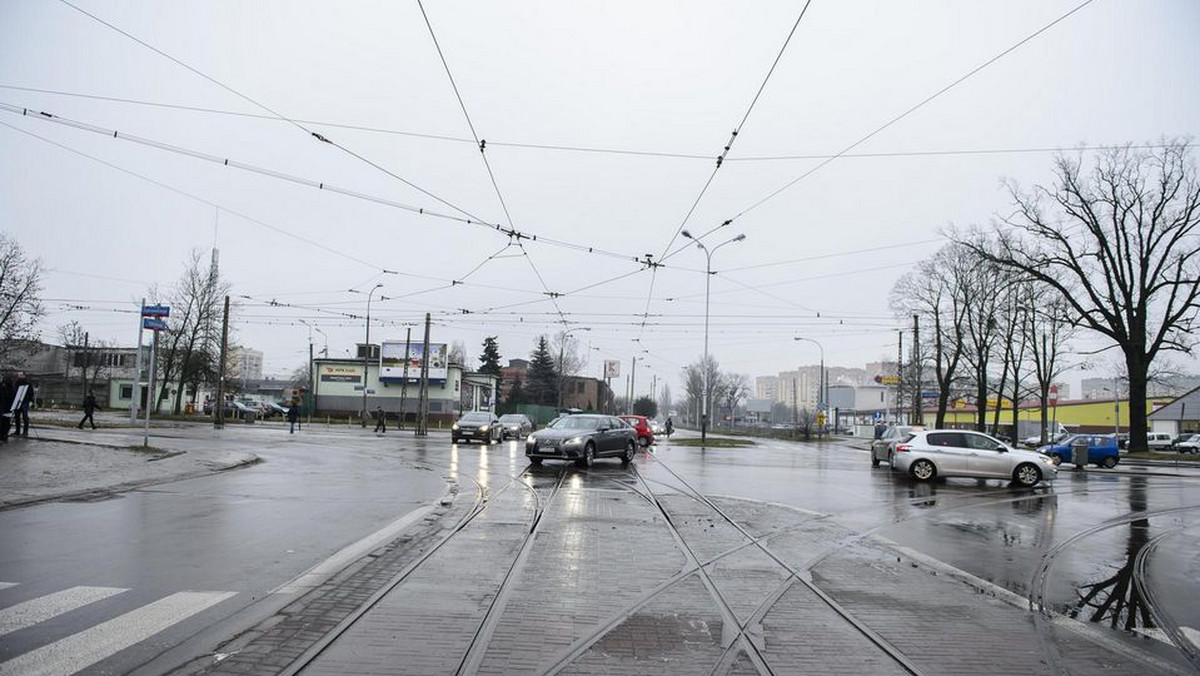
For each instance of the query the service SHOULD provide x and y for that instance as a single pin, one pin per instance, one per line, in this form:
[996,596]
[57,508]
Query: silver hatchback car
[934,453]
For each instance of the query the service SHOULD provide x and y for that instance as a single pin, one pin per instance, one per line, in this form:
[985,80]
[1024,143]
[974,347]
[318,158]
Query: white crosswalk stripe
[6,585]
[43,608]
[79,651]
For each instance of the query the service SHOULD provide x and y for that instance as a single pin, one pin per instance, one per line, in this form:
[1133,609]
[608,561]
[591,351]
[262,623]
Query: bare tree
[1046,330]
[20,284]
[736,387]
[191,353]
[1120,246]
[86,355]
[937,291]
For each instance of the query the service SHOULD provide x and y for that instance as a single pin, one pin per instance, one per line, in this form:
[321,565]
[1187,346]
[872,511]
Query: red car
[641,426]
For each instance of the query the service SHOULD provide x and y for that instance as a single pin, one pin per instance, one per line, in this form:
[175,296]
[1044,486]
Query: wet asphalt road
[1094,545]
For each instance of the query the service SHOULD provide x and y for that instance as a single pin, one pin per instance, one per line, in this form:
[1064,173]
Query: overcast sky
[663,83]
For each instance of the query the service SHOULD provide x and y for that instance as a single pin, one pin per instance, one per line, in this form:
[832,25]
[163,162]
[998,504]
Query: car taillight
[903,448]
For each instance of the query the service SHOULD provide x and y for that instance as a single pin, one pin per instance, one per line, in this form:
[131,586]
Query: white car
[928,455]
[657,428]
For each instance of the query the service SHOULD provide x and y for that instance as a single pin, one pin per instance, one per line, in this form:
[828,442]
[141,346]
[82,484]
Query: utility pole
[404,383]
[136,399]
[900,376]
[312,396]
[423,399]
[153,370]
[219,406]
[917,412]
[85,363]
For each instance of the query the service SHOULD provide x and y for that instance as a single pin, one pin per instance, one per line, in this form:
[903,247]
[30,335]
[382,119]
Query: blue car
[1102,450]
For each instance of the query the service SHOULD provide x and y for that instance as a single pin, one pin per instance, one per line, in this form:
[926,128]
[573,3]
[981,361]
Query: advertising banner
[341,374]
[391,360]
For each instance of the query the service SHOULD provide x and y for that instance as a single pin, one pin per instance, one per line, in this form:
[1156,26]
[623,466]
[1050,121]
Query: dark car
[641,425]
[478,426]
[515,426]
[1102,449]
[582,438]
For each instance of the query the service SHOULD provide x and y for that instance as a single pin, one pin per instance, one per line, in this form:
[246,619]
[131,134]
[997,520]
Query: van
[1158,441]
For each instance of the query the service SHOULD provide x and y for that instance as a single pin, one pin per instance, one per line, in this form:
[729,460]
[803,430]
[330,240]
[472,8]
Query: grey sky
[672,78]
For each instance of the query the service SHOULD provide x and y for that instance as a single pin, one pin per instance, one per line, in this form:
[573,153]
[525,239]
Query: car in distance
[476,425]
[881,448]
[656,427]
[582,438]
[515,426]
[1103,449]
[941,453]
[1159,441]
[641,425]
[1190,444]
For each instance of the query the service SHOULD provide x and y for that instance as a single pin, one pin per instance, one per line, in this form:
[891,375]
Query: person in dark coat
[380,419]
[21,413]
[293,416]
[89,407]
[6,404]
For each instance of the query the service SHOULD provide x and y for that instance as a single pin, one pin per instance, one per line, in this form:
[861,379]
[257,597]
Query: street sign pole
[136,398]
[150,400]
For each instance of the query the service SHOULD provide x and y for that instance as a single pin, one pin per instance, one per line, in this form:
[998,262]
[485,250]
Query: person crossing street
[380,419]
[89,408]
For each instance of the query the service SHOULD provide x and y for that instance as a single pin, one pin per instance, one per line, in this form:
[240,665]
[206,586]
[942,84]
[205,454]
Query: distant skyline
[354,160]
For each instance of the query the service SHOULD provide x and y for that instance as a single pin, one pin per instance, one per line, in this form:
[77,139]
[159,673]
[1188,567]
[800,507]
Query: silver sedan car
[928,455]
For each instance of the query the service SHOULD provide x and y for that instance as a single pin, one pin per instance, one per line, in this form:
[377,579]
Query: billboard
[391,360]
[612,368]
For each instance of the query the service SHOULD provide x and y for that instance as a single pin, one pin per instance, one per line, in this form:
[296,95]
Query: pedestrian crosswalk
[75,652]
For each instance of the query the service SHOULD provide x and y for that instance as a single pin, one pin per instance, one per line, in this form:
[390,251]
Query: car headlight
[483,429]
[575,441]
[454,426]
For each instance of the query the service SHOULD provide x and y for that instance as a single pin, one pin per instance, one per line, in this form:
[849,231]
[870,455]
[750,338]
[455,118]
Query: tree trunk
[1137,366]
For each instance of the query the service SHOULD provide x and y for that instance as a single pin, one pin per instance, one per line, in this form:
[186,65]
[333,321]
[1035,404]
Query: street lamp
[562,379]
[823,384]
[708,254]
[366,353]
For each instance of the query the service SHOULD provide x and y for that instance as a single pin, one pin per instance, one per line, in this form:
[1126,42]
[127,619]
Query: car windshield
[477,416]
[572,422]
[512,418]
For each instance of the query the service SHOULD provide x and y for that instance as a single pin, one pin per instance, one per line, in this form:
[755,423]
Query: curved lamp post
[366,354]
[823,385]
[562,377]
[708,254]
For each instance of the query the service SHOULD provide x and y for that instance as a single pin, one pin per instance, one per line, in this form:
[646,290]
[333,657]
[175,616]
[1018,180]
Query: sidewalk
[55,464]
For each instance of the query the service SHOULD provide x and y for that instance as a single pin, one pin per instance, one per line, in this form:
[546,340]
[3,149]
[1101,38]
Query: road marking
[79,651]
[43,608]
[6,585]
[315,576]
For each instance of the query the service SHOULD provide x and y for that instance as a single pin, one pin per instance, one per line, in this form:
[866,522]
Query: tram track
[1162,618]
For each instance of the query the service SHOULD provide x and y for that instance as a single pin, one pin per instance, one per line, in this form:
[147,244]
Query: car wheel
[630,450]
[1057,460]
[1110,462]
[535,461]
[454,440]
[644,441]
[922,470]
[874,460]
[1027,475]
[589,456]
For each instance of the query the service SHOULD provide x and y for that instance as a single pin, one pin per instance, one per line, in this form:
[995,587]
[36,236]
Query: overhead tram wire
[595,150]
[482,145]
[912,109]
[277,114]
[43,116]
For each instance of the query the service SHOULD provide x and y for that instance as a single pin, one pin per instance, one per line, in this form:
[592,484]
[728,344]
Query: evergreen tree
[542,380]
[516,395]
[490,357]
[645,406]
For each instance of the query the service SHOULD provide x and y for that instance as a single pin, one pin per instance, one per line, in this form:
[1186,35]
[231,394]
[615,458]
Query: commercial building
[338,388]
[1179,416]
[1081,415]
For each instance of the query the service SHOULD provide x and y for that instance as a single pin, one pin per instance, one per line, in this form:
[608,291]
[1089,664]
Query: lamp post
[366,354]
[823,384]
[562,347]
[708,254]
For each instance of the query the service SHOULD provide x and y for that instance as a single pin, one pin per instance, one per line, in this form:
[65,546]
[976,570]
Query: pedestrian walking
[7,391]
[670,426]
[380,419]
[24,392]
[89,408]
[293,416]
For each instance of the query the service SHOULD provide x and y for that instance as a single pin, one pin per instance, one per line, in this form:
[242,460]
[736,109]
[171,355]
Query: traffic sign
[1054,395]
[154,324]
[156,311]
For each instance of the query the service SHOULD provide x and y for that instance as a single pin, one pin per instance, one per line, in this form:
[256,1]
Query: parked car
[881,448]
[1159,441]
[1102,449]
[1036,440]
[645,435]
[476,425]
[271,409]
[657,428]
[941,453]
[1189,445]
[515,426]
[582,438]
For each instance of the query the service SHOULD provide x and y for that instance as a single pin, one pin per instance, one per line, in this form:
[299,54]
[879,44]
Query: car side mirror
[1002,448]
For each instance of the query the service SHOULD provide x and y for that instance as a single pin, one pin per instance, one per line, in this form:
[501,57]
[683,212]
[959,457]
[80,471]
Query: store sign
[331,373]
[391,360]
